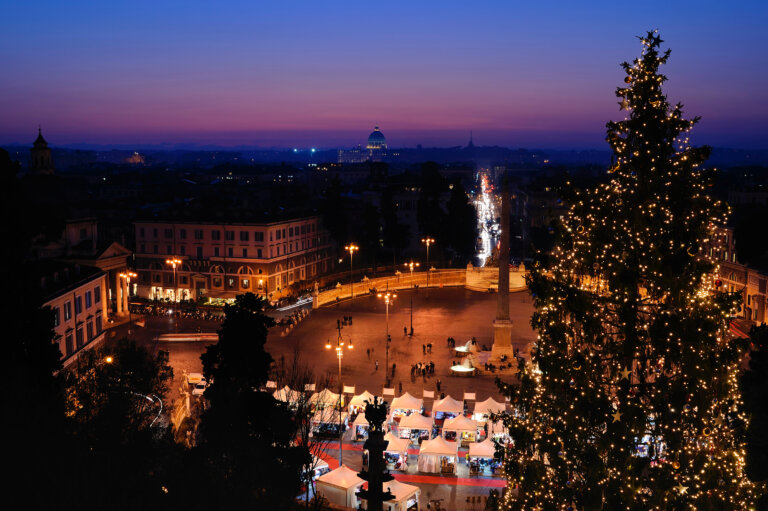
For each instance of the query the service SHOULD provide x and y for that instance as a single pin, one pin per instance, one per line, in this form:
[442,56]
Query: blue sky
[292,72]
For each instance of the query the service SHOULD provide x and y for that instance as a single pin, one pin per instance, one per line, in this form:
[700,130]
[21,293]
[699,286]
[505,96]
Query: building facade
[737,277]
[221,261]
[77,295]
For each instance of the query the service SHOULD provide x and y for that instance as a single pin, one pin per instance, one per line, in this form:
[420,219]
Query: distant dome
[377,140]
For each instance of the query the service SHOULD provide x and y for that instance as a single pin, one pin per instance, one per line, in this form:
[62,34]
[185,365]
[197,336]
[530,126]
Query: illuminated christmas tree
[632,399]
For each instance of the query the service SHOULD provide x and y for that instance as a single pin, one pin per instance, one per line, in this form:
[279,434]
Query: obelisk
[502,325]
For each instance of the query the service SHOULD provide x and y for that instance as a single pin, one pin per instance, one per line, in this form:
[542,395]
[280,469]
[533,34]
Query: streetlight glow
[351,248]
[428,241]
[174,262]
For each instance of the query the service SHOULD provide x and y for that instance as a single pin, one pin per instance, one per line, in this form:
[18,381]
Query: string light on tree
[631,401]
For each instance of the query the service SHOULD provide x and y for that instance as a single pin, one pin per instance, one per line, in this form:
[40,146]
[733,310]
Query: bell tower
[40,161]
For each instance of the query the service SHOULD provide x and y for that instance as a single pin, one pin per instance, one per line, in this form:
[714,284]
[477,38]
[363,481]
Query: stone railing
[476,279]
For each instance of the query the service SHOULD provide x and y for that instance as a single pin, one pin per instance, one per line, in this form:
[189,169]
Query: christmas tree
[632,399]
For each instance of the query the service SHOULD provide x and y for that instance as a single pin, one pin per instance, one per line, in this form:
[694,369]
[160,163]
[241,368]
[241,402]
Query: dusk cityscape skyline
[385,256]
[305,75]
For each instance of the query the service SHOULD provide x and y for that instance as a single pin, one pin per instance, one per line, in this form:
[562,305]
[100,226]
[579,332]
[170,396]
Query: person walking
[368,352]
[394,366]
[400,388]
[405,330]
[377,364]
[438,384]
[423,349]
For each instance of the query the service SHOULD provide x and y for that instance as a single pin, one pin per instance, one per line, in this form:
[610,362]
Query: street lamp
[351,248]
[340,355]
[174,262]
[411,265]
[428,241]
[127,276]
[388,298]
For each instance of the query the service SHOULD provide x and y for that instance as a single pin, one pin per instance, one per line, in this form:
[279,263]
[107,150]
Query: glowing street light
[339,355]
[174,262]
[411,265]
[428,241]
[388,298]
[351,248]
[127,276]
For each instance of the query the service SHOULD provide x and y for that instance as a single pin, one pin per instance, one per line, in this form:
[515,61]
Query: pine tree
[632,400]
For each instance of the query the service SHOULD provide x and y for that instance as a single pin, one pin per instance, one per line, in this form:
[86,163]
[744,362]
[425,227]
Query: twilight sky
[296,73]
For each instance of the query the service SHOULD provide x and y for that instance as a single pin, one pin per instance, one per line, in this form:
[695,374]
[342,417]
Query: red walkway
[486,482]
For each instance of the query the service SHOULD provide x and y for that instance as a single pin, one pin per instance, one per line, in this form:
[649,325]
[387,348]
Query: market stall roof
[325,397]
[448,404]
[287,395]
[406,402]
[460,423]
[416,421]
[360,420]
[497,428]
[490,406]
[329,416]
[360,399]
[400,491]
[342,477]
[484,449]
[396,444]
[439,446]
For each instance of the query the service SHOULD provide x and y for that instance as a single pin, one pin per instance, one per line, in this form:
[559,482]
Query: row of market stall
[406,413]
[340,487]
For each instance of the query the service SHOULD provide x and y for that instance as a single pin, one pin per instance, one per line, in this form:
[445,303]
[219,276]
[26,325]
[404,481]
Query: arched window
[245,280]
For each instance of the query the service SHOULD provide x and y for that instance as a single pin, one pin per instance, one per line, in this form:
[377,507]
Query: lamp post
[351,248]
[340,355]
[388,298]
[411,265]
[127,276]
[174,262]
[428,241]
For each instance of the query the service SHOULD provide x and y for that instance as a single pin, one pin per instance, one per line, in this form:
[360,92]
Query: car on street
[199,388]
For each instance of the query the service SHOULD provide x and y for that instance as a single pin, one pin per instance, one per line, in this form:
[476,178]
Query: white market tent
[324,398]
[340,486]
[448,405]
[484,449]
[359,400]
[403,493]
[485,408]
[329,417]
[396,445]
[287,395]
[497,429]
[433,450]
[360,420]
[416,421]
[459,424]
[406,404]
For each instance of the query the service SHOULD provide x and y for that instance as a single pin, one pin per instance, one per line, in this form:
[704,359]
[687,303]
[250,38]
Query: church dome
[377,140]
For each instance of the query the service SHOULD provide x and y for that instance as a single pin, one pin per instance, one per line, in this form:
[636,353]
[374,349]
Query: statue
[377,474]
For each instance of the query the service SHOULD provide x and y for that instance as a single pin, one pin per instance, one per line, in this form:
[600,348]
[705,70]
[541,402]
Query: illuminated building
[737,277]
[77,295]
[375,149]
[223,260]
